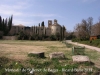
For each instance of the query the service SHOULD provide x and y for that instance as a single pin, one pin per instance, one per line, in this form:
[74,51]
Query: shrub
[1,34]
[53,37]
[21,35]
[75,40]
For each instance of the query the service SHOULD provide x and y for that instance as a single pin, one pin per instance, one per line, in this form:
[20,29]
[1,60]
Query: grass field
[95,43]
[17,51]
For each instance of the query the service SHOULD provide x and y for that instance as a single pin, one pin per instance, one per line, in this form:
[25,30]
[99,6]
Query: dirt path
[87,46]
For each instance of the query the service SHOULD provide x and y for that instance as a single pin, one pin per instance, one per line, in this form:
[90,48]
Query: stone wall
[48,32]
[9,38]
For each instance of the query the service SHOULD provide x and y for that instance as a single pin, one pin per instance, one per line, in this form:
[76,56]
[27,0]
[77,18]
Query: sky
[67,12]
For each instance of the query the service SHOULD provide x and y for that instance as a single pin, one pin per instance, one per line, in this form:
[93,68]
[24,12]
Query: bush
[75,40]
[93,43]
[21,35]
[53,37]
[0,37]
[1,34]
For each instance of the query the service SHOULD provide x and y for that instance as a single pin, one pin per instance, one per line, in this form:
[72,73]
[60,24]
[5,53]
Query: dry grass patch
[19,49]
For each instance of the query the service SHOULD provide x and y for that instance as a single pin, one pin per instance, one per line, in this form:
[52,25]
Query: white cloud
[17,22]
[11,12]
[20,12]
[11,9]
[17,10]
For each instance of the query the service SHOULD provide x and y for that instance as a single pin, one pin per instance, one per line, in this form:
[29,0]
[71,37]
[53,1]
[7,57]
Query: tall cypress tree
[10,23]
[39,29]
[61,33]
[42,24]
[45,31]
[36,29]
[1,23]
[39,24]
[5,26]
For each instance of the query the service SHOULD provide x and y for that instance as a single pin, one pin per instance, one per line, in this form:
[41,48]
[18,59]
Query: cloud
[15,7]
[21,13]
[11,9]
[21,9]
[27,23]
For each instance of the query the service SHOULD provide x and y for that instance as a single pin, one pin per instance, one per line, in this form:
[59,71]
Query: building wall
[13,30]
[9,38]
[51,29]
[21,28]
[48,31]
[16,30]
[55,29]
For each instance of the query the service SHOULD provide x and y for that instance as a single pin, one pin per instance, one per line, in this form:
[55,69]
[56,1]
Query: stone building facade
[52,29]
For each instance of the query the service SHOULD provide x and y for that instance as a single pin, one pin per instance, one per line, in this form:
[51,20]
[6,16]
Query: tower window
[54,22]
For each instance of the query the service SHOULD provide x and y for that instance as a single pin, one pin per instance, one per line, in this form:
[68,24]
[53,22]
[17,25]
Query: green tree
[42,24]
[36,30]
[21,35]
[61,33]
[5,25]
[64,29]
[53,37]
[58,36]
[39,24]
[45,32]
[1,28]
[10,23]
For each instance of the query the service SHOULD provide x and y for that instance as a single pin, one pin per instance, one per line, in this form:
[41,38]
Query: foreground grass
[14,55]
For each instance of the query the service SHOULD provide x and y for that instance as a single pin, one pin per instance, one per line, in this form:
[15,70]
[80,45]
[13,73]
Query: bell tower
[55,21]
[49,23]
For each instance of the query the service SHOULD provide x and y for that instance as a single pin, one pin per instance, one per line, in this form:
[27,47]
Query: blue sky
[67,12]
